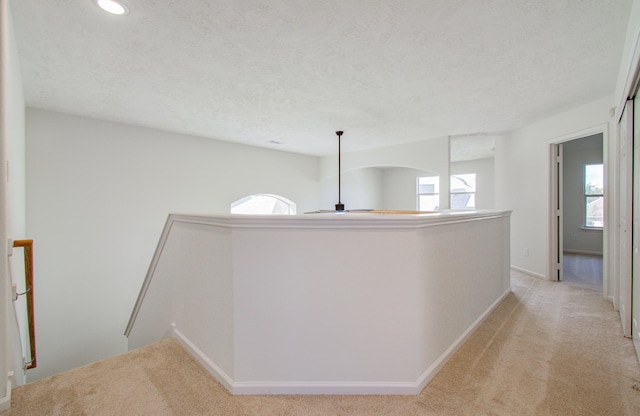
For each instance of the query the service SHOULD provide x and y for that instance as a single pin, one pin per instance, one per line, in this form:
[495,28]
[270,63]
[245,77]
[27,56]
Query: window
[428,193]
[263,204]
[463,191]
[594,196]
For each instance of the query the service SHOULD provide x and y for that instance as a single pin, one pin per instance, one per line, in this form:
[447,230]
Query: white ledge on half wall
[359,219]
[355,303]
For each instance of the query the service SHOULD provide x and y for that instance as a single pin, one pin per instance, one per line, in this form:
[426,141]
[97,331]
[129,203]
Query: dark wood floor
[583,270]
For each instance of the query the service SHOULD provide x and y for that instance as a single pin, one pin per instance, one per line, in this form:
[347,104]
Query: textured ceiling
[294,72]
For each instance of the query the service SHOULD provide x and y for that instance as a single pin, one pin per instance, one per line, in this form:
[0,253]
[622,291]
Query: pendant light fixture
[339,205]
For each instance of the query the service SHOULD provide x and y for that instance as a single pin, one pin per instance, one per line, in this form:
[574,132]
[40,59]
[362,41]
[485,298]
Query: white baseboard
[324,388]
[433,370]
[529,272]
[585,252]
[338,387]
[5,402]
[209,365]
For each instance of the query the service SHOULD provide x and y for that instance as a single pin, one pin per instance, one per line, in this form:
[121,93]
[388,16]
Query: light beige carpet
[549,349]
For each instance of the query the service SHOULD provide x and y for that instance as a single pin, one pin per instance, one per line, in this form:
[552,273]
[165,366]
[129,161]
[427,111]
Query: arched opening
[263,204]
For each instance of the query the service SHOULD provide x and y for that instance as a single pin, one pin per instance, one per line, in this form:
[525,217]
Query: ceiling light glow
[112,7]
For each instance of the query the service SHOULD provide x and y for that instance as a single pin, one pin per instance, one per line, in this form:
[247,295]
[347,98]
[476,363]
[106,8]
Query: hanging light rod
[339,205]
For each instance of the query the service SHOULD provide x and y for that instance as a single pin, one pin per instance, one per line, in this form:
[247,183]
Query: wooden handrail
[28,280]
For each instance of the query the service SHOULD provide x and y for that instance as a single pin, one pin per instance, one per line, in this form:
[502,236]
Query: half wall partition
[326,303]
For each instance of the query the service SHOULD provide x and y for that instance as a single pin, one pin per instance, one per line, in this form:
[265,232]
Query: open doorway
[584,247]
[583,211]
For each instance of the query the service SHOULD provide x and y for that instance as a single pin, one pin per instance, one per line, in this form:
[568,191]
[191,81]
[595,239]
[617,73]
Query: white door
[555,270]
[625,211]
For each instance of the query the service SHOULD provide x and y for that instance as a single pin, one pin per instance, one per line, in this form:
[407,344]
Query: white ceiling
[384,71]
[471,147]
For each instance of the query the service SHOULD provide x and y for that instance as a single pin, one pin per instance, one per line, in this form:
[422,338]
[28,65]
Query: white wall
[428,155]
[12,193]
[16,198]
[576,154]
[398,167]
[401,188]
[485,179]
[629,60]
[522,179]
[375,188]
[360,189]
[98,195]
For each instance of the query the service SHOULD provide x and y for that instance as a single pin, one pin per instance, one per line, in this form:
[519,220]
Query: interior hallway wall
[576,154]
[485,179]
[431,155]
[522,179]
[375,188]
[12,193]
[360,189]
[98,195]
[401,188]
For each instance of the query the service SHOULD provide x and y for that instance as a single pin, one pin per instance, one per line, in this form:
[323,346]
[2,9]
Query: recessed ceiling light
[112,7]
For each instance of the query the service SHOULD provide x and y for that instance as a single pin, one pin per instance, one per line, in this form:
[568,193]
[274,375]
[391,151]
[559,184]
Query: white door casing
[635,273]
[556,243]
[625,177]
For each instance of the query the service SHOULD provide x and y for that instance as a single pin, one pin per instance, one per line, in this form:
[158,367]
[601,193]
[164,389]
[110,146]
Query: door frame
[635,229]
[624,215]
[555,212]
[555,203]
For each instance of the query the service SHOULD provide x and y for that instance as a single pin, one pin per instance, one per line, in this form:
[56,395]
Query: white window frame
[472,194]
[261,201]
[435,193]
[591,195]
